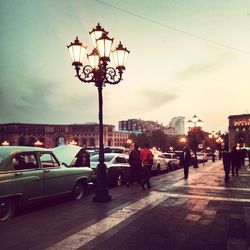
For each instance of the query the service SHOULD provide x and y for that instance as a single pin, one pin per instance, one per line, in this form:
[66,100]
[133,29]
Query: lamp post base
[101,196]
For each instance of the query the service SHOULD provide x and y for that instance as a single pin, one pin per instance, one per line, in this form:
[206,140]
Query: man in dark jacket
[226,163]
[235,160]
[185,161]
[135,164]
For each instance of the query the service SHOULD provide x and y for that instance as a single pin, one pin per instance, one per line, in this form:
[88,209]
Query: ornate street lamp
[98,72]
[213,136]
[195,125]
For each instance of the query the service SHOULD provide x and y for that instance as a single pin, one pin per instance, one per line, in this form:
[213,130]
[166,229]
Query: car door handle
[18,173]
[46,170]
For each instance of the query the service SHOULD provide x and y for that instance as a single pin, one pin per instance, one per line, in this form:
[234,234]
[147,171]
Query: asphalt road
[200,213]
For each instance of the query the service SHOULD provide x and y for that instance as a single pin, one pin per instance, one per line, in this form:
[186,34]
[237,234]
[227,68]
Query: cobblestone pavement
[202,212]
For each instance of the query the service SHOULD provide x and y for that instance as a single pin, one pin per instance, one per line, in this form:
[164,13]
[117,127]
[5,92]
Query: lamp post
[195,125]
[99,73]
[213,136]
[220,141]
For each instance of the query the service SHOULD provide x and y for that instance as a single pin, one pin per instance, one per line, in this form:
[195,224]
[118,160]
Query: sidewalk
[200,213]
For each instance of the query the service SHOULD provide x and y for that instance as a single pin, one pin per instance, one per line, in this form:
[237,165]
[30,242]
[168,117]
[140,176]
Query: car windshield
[167,156]
[95,158]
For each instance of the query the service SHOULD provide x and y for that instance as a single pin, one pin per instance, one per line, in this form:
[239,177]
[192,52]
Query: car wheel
[78,191]
[7,207]
[119,180]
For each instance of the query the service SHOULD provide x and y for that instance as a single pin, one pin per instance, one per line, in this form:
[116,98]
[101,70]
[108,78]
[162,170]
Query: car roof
[6,151]
[112,154]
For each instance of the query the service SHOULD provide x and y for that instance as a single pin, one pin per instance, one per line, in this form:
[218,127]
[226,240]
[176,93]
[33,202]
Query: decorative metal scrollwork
[87,74]
[113,76]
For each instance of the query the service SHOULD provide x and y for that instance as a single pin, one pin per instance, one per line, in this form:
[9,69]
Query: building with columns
[52,135]
[239,130]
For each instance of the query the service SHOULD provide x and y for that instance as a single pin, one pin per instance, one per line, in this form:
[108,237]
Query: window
[48,161]
[25,161]
[121,160]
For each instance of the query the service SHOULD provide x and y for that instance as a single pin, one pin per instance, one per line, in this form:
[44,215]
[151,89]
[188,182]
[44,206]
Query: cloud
[157,98]
[204,66]
[42,101]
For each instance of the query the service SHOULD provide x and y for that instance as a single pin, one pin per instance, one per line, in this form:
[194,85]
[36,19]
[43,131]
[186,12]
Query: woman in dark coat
[135,165]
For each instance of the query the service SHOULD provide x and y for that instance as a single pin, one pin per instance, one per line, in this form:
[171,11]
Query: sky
[187,57]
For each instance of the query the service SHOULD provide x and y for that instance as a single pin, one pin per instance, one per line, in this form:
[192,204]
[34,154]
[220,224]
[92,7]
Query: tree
[159,139]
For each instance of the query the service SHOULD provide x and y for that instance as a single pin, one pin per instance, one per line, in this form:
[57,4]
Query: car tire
[78,190]
[7,207]
[119,180]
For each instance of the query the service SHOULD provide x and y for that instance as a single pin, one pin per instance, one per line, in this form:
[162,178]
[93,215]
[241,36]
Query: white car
[201,157]
[173,162]
[160,163]
[118,168]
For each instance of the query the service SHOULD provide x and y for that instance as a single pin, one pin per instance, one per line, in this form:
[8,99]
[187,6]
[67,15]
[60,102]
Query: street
[200,213]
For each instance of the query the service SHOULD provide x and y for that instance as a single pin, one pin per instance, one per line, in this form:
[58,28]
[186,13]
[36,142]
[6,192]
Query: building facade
[138,125]
[178,123]
[239,130]
[52,135]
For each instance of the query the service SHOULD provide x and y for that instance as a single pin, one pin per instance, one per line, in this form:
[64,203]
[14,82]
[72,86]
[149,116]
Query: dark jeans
[186,168]
[146,173]
[235,168]
[135,174]
[227,171]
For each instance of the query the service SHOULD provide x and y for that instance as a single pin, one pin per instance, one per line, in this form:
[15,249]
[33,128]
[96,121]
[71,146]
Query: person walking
[135,164]
[146,157]
[235,160]
[185,160]
[226,158]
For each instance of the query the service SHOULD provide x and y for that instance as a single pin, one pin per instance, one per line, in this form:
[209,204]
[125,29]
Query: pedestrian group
[141,162]
[233,160]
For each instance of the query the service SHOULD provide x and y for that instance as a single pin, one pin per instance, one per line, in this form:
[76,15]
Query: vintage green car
[28,174]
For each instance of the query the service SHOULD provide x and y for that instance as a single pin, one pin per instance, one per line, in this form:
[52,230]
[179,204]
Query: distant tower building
[178,123]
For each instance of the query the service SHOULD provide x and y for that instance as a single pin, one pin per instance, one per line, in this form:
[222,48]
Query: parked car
[173,162]
[118,168]
[202,157]
[28,174]
[160,163]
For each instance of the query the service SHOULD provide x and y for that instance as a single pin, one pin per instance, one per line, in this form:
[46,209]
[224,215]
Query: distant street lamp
[213,136]
[99,73]
[183,140]
[128,143]
[5,143]
[73,142]
[195,125]
[38,143]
